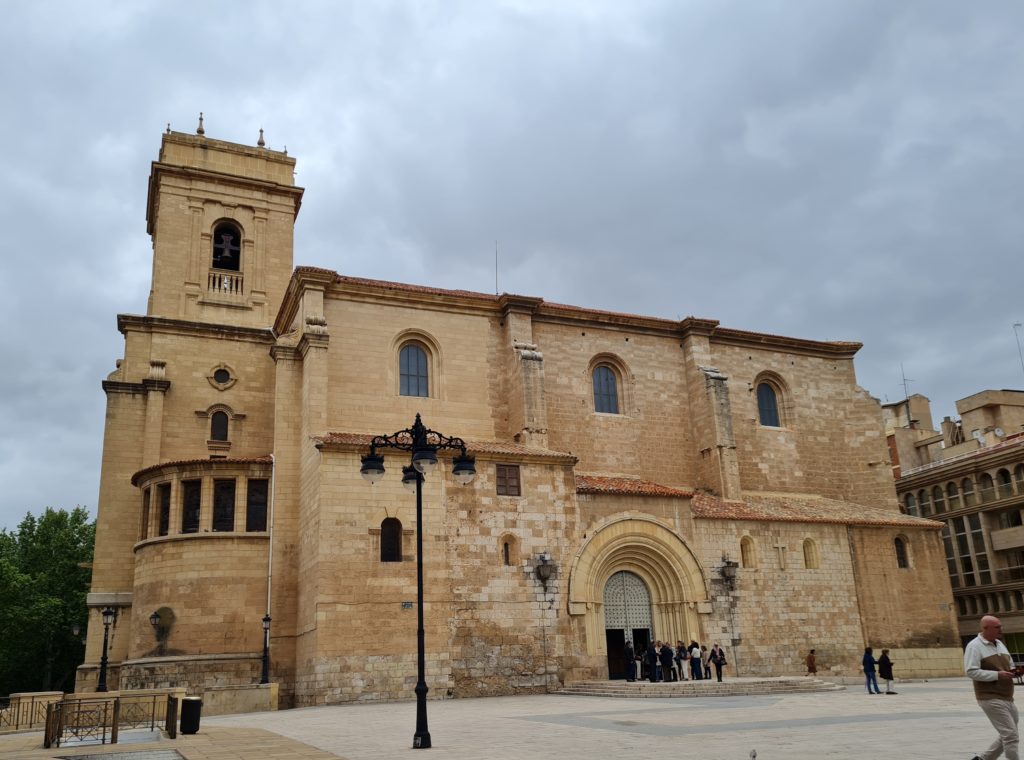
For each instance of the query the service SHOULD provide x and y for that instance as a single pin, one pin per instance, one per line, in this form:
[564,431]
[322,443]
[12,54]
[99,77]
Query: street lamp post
[265,674]
[108,618]
[423,444]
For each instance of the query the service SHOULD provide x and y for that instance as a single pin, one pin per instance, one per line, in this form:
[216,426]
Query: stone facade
[732,477]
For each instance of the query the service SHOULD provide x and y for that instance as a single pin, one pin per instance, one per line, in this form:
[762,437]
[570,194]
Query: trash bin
[191,711]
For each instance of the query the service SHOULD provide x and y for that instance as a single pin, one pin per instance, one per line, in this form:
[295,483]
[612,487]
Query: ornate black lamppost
[108,618]
[423,445]
[265,674]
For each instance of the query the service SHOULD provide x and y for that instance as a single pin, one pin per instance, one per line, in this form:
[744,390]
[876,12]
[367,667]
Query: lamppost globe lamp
[373,468]
[409,478]
[423,444]
[425,460]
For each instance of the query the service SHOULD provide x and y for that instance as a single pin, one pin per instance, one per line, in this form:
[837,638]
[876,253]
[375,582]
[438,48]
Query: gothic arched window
[767,405]
[414,375]
[606,394]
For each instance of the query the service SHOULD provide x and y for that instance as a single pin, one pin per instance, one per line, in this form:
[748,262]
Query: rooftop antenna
[1016,332]
[906,382]
[496,279]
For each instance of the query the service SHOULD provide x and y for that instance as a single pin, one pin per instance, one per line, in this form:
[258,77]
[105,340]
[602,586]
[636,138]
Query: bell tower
[221,217]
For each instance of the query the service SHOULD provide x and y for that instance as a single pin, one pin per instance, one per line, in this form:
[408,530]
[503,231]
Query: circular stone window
[221,377]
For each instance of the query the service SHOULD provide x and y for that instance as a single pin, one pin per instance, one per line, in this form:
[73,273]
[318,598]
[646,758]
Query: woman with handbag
[717,658]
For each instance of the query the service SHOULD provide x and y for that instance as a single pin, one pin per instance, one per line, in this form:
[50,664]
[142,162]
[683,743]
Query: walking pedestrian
[869,671]
[988,664]
[812,664]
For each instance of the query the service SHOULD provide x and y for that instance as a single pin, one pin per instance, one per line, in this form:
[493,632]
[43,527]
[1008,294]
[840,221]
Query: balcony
[225,285]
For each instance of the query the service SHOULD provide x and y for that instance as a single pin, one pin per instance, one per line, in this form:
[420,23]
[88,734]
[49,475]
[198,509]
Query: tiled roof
[805,509]
[625,486]
[362,440]
[226,461]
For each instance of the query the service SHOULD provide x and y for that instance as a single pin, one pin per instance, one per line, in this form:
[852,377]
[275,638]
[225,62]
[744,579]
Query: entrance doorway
[627,612]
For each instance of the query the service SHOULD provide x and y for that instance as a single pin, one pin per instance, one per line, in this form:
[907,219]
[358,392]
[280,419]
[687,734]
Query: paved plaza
[925,721]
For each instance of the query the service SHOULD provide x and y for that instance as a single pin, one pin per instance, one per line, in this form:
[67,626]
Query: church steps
[697,689]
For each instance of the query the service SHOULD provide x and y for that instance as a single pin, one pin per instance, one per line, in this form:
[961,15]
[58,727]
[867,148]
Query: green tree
[45,567]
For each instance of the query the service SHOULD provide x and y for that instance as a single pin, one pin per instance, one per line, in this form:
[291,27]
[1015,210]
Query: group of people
[884,670]
[685,662]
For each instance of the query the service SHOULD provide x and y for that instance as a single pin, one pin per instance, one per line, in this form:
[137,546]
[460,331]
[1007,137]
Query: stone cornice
[126,322]
[191,173]
[119,386]
[302,279]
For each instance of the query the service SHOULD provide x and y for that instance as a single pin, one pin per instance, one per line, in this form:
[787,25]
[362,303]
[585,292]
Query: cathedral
[600,478]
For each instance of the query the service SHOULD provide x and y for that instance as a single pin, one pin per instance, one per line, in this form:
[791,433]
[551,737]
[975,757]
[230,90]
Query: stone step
[696,689]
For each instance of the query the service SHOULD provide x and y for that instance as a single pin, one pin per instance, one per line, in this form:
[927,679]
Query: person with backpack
[717,658]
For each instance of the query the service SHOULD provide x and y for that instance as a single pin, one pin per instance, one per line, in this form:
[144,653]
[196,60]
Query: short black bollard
[191,711]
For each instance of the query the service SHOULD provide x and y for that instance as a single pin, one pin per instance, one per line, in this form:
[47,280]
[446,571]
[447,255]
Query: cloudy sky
[816,168]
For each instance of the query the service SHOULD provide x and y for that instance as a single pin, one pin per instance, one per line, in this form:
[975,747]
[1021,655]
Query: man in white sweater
[988,664]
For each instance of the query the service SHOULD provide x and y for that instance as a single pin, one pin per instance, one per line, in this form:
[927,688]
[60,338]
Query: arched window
[968,490]
[413,372]
[606,394]
[910,504]
[938,500]
[219,426]
[391,540]
[227,247]
[987,488]
[748,552]
[925,502]
[767,405]
[509,548]
[901,552]
[1005,484]
[812,560]
[952,496]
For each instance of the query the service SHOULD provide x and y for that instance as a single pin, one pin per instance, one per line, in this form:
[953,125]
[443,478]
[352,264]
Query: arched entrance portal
[656,555]
[627,617]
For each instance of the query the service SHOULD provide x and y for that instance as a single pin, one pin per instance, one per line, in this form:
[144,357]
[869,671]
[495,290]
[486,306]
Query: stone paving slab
[211,743]
[925,721]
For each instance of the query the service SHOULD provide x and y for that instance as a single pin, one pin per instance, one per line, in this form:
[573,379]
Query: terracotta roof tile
[625,486]
[795,508]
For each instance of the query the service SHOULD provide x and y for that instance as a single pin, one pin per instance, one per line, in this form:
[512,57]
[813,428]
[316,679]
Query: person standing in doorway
[988,664]
[705,662]
[869,671]
[812,664]
[680,658]
[885,671]
[696,668]
[630,657]
[665,655]
[651,660]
